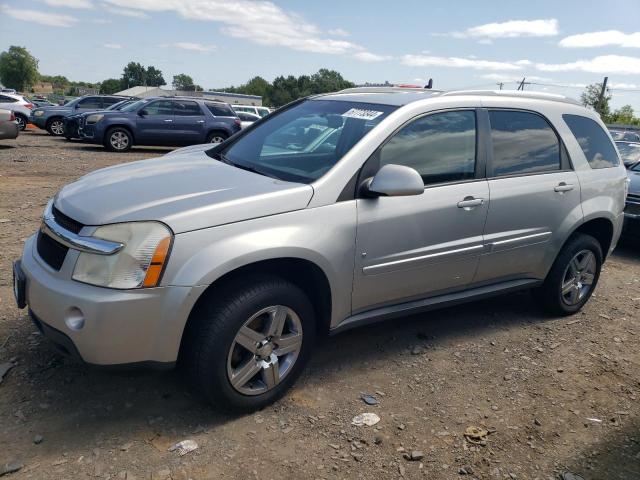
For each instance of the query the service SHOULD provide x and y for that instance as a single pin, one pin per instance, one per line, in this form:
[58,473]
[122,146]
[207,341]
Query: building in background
[232,98]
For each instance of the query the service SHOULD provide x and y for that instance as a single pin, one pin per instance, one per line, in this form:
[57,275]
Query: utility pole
[500,84]
[521,86]
[601,97]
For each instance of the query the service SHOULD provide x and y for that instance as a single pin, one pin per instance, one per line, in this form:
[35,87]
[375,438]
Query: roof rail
[388,89]
[554,97]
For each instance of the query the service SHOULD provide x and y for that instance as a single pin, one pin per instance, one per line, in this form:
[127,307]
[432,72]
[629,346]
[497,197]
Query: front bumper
[121,327]
[9,130]
[40,122]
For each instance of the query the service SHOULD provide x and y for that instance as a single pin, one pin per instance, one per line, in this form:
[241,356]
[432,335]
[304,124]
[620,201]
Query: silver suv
[334,212]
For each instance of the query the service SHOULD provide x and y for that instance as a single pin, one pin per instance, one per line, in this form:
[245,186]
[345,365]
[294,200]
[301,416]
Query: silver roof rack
[554,97]
[388,89]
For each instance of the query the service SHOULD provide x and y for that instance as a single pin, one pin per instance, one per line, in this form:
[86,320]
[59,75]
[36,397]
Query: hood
[203,147]
[634,185]
[187,192]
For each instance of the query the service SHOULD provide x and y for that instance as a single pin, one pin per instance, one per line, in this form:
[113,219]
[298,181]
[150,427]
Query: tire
[55,127]
[118,139]
[22,122]
[578,263]
[217,137]
[213,356]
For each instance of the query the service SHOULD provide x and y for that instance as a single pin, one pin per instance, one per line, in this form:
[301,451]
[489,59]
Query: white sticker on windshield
[362,114]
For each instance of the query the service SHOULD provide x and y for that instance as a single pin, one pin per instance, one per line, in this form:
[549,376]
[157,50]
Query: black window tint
[90,103]
[595,143]
[159,107]
[522,143]
[441,147]
[186,108]
[6,99]
[108,101]
[220,110]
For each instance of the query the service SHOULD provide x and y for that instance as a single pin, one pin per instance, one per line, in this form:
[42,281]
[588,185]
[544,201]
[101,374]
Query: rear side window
[186,108]
[90,102]
[108,101]
[523,143]
[220,110]
[593,141]
[5,99]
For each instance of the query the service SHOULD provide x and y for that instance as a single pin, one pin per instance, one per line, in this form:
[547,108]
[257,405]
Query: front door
[535,197]
[419,246]
[155,123]
[188,123]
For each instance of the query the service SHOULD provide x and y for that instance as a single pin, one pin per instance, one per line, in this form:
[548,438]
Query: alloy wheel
[119,140]
[217,139]
[264,350]
[57,127]
[21,122]
[579,277]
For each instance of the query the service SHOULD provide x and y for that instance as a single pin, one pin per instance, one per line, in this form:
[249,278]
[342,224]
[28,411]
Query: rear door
[418,246]
[89,104]
[535,197]
[188,123]
[155,123]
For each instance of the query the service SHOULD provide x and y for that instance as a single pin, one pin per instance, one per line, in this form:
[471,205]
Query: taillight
[12,117]
[29,106]
[237,121]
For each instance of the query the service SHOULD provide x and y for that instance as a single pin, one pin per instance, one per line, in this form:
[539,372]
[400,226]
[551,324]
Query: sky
[558,46]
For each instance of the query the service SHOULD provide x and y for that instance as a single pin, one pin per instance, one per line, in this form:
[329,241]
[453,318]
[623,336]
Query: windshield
[301,143]
[118,106]
[629,152]
[133,106]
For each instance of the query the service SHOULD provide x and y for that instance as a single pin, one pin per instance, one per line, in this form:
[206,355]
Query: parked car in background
[632,208]
[8,90]
[51,118]
[629,152]
[170,121]
[235,257]
[9,127]
[247,119]
[19,105]
[626,136]
[72,122]
[42,103]
[260,111]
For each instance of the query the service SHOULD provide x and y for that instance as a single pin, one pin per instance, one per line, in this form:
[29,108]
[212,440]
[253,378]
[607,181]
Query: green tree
[591,98]
[256,86]
[18,68]
[133,75]
[183,82]
[624,115]
[154,77]
[58,82]
[110,86]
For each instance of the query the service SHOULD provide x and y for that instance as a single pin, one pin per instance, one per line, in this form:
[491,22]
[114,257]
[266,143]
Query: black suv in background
[51,118]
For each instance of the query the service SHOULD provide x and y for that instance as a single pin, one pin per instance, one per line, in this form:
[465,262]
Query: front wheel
[55,127]
[22,122]
[217,137]
[118,140]
[573,276]
[248,346]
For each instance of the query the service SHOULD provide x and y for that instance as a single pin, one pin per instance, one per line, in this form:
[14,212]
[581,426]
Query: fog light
[74,319]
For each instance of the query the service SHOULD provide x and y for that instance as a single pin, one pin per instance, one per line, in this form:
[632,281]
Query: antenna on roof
[429,84]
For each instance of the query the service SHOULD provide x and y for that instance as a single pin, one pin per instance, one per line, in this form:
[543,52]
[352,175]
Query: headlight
[95,118]
[38,113]
[139,264]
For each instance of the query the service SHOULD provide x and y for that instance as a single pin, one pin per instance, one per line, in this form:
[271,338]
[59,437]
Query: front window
[303,142]
[132,107]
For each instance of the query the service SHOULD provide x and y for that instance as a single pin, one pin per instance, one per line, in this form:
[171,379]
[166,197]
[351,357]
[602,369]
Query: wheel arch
[123,126]
[601,228]
[304,273]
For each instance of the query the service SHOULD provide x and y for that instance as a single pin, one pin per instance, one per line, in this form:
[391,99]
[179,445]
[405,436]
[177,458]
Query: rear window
[594,142]
[220,110]
[186,108]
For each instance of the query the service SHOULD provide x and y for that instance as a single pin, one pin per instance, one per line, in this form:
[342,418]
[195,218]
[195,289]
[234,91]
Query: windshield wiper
[222,158]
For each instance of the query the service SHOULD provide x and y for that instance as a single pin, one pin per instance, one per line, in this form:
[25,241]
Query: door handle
[168,120]
[563,187]
[470,202]
[200,121]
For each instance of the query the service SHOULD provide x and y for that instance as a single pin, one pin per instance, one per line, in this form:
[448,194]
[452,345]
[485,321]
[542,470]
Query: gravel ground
[553,395]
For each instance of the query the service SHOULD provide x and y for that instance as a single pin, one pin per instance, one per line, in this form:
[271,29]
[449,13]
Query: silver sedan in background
[9,128]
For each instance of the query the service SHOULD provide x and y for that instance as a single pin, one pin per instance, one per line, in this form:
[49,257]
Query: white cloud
[338,32]
[69,3]
[605,64]
[602,39]
[505,77]
[633,86]
[196,47]
[457,62]
[125,12]
[100,21]
[114,46]
[43,18]
[371,57]
[259,21]
[509,29]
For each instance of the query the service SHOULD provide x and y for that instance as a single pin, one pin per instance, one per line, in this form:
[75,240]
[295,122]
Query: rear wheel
[248,346]
[118,140]
[55,127]
[217,137]
[573,276]
[21,121]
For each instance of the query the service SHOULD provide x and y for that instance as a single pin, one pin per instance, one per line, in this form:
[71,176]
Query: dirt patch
[553,394]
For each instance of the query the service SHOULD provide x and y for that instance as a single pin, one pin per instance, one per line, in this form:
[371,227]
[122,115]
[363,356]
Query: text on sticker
[362,114]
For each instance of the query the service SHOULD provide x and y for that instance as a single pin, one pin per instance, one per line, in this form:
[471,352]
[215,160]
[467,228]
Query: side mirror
[142,112]
[394,181]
